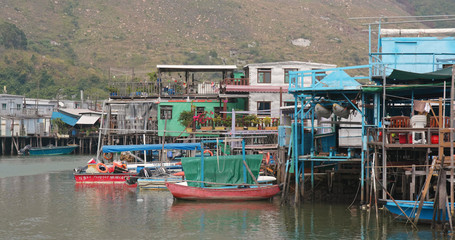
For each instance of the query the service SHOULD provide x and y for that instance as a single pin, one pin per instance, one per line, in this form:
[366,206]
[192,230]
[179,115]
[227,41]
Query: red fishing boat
[233,193]
[222,178]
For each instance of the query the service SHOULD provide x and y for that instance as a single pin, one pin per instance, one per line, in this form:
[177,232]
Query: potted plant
[186,119]
[227,123]
[204,122]
[251,122]
[218,123]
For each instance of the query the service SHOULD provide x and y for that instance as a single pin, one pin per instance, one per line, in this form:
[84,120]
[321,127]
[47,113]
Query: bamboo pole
[425,190]
[407,217]
[452,95]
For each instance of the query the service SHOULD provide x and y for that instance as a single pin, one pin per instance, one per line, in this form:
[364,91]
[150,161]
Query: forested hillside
[64,46]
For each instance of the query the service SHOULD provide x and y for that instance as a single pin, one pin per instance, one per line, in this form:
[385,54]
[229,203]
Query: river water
[40,200]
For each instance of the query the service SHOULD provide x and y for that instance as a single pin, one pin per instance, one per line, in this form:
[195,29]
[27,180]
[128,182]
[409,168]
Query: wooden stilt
[12,147]
[90,145]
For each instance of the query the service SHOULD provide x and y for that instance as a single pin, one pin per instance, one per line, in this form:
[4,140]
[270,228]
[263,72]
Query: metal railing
[155,89]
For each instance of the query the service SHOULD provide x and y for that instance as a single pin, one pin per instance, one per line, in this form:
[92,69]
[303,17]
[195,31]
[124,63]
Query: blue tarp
[146,147]
[65,118]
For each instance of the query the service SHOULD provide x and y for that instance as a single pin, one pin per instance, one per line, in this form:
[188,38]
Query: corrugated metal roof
[195,67]
[77,112]
[272,64]
[268,88]
[87,120]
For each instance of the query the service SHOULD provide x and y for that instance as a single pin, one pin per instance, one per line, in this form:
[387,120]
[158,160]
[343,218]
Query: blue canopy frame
[146,147]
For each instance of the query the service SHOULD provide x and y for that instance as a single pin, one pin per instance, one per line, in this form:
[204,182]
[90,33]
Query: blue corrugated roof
[338,80]
[65,118]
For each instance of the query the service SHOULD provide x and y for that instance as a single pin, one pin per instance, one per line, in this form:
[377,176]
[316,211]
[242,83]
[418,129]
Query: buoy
[98,168]
[108,156]
[208,151]
[179,174]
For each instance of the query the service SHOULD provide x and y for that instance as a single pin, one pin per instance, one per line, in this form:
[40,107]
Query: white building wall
[274,98]
[277,80]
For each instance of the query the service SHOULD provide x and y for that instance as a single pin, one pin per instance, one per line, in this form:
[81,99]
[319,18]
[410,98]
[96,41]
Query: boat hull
[410,208]
[156,183]
[52,150]
[102,177]
[230,194]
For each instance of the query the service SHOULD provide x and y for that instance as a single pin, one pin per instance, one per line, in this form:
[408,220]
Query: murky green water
[40,200]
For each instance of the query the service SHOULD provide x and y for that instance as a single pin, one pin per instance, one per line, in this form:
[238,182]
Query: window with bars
[264,108]
[165,112]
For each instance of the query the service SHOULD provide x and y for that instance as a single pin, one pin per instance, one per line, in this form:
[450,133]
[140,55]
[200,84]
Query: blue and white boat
[410,208]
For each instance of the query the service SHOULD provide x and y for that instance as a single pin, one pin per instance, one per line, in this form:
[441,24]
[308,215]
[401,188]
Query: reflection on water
[50,205]
[238,218]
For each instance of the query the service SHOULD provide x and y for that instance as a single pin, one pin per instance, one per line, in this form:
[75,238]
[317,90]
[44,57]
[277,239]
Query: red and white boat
[100,173]
[234,193]
[102,177]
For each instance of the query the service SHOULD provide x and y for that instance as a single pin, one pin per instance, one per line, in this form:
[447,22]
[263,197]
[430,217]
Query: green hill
[73,43]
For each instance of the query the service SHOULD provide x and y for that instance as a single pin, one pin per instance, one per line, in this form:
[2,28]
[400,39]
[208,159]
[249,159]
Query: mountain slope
[143,33]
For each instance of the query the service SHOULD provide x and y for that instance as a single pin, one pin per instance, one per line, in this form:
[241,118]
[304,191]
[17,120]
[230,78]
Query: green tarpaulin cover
[404,76]
[222,169]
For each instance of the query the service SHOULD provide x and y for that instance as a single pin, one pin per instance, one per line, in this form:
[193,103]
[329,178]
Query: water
[40,200]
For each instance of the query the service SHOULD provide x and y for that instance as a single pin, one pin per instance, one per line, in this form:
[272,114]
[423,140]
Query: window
[217,110]
[18,106]
[165,112]
[264,75]
[286,73]
[287,104]
[3,106]
[200,110]
[264,108]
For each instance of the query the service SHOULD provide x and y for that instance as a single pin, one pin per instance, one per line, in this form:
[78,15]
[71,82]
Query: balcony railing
[155,89]
[236,81]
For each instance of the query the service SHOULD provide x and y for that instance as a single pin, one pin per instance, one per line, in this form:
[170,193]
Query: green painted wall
[174,128]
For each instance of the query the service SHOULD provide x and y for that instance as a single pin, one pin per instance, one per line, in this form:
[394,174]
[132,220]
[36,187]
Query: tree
[12,37]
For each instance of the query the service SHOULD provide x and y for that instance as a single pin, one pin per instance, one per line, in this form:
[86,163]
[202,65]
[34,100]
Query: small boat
[102,177]
[341,111]
[322,111]
[223,178]
[130,173]
[50,150]
[234,193]
[156,182]
[410,208]
[117,173]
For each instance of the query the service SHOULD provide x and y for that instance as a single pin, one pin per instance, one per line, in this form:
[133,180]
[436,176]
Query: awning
[87,120]
[146,147]
[404,77]
[65,118]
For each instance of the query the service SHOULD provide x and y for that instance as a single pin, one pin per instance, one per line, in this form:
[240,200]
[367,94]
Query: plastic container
[435,139]
[402,138]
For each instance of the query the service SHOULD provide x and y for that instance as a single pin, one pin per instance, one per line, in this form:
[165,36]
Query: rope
[355,196]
